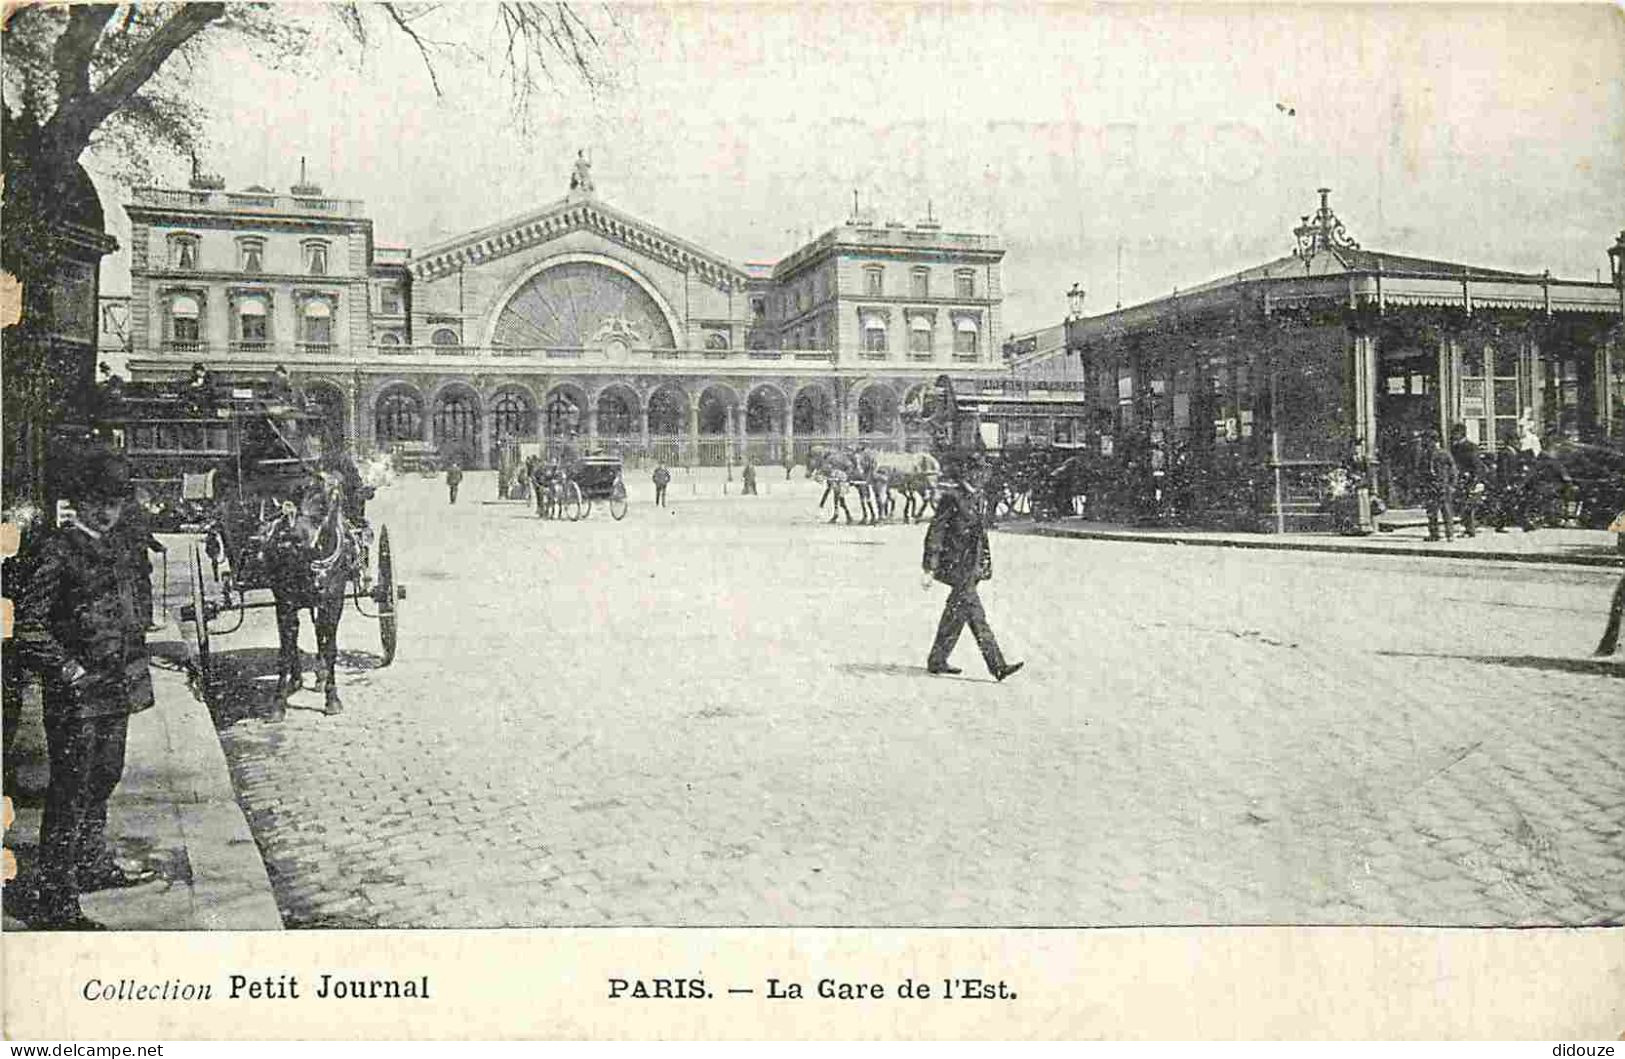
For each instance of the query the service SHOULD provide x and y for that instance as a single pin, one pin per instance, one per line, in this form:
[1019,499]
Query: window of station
[919,283]
[184,326]
[758,309]
[389,300]
[716,340]
[315,258]
[316,323]
[874,334]
[183,252]
[919,334]
[964,284]
[966,334]
[874,280]
[251,322]
[443,336]
[251,254]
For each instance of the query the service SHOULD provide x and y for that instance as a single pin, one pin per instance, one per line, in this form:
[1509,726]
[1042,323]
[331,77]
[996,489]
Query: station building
[1245,392]
[573,322]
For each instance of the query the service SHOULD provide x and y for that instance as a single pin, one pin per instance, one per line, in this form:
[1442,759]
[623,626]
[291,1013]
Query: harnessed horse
[310,554]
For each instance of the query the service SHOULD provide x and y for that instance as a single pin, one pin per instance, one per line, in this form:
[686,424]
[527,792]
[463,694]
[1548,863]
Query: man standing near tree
[80,626]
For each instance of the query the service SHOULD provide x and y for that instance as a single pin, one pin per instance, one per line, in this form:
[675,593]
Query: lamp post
[1075,296]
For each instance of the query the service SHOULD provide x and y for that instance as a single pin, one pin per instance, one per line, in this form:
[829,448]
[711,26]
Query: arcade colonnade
[686,420]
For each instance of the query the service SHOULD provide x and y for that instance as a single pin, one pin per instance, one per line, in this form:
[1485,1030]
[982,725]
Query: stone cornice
[571,216]
[200,275]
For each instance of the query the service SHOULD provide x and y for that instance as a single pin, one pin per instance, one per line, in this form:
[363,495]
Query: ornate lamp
[1075,296]
[1616,261]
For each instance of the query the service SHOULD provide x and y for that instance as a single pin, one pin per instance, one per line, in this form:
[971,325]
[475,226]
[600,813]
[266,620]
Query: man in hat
[79,621]
[454,478]
[957,554]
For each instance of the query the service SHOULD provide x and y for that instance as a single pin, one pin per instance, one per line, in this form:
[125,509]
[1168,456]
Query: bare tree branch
[406,27]
[77,116]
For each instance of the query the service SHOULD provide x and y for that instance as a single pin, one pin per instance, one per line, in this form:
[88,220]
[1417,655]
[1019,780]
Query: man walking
[748,477]
[662,478]
[957,554]
[1439,487]
[1472,477]
[454,478]
[79,623]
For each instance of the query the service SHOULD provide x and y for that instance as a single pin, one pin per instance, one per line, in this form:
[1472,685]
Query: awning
[966,323]
[183,306]
[251,307]
[318,308]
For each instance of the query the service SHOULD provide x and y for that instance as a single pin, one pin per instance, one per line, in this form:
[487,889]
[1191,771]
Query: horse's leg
[288,676]
[328,612]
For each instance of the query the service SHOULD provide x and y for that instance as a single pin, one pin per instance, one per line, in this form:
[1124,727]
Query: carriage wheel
[572,502]
[617,500]
[384,595]
[200,622]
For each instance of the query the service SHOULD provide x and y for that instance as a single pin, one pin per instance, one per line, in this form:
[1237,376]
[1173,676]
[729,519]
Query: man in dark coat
[1439,487]
[1472,477]
[661,478]
[957,554]
[80,626]
[454,478]
[134,532]
[748,479]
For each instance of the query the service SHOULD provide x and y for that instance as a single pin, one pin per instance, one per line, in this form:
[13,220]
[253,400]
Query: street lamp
[1074,297]
[1616,260]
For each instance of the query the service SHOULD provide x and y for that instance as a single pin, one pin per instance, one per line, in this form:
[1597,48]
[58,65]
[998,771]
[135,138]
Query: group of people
[1520,484]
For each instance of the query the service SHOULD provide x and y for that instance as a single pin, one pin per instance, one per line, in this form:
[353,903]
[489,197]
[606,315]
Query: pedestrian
[1439,487]
[1511,474]
[454,478]
[789,462]
[538,485]
[662,478]
[748,477]
[79,622]
[958,555]
[1472,477]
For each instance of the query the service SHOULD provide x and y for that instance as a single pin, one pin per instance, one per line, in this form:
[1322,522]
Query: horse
[835,468]
[914,474]
[310,553]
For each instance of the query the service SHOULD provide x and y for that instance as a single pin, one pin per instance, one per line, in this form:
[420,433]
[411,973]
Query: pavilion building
[1243,393]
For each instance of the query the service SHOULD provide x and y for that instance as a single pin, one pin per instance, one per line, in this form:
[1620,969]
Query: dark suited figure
[80,626]
[1511,478]
[661,478]
[748,479]
[1439,487]
[454,478]
[957,554]
[1472,477]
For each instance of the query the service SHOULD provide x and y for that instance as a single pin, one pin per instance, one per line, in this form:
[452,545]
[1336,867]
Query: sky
[1132,149]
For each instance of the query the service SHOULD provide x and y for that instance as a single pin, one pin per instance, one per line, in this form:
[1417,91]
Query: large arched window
[456,419]
[615,415]
[399,417]
[443,336]
[511,415]
[668,412]
[562,416]
[716,340]
[877,411]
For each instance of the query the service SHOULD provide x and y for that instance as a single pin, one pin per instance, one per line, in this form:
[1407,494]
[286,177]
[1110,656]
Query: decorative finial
[1322,232]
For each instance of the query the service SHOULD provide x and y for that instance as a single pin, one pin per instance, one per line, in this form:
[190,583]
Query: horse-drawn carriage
[275,513]
[569,486]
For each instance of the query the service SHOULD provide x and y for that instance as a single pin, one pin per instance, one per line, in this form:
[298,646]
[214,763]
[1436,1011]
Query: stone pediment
[576,213]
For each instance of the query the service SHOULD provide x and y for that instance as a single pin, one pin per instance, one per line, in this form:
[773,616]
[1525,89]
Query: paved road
[718,714]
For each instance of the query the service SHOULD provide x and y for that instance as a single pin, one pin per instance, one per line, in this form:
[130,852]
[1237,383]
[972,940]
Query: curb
[1402,550]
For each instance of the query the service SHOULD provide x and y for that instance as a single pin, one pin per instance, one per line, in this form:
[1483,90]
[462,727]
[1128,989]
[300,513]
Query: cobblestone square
[718,713]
